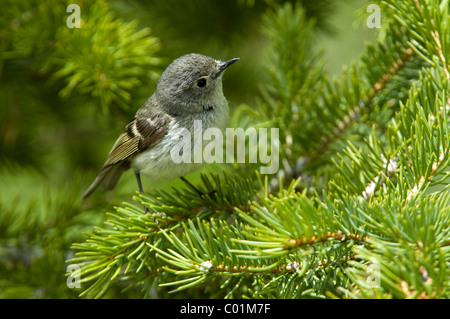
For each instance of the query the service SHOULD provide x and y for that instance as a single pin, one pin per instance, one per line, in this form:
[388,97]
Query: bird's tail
[108,178]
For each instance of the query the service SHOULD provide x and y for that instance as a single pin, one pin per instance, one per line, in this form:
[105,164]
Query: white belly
[157,162]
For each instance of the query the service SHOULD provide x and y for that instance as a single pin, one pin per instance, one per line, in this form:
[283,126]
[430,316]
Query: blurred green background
[66,94]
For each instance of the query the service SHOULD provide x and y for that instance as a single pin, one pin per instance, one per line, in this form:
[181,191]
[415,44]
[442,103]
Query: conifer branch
[426,179]
[438,162]
[435,36]
[355,112]
[380,179]
[241,236]
[322,238]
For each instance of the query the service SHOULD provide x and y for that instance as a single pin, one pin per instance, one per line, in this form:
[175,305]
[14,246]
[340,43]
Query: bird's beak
[223,65]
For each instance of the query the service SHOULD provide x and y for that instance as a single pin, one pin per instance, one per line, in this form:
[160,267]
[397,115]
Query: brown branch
[256,269]
[294,243]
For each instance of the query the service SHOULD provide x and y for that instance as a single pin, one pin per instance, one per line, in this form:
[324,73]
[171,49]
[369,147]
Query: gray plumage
[189,89]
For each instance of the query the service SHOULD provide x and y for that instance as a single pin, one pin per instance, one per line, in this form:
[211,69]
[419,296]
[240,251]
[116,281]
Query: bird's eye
[201,83]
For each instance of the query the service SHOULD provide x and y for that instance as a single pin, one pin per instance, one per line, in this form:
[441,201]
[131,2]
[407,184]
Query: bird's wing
[140,134]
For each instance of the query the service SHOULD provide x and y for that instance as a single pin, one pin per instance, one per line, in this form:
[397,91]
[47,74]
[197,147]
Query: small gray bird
[189,89]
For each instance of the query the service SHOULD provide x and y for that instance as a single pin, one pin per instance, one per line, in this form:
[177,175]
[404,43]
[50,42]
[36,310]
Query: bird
[189,89]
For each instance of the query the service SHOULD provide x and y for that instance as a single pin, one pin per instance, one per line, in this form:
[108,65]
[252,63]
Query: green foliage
[358,209]
[40,218]
[119,59]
